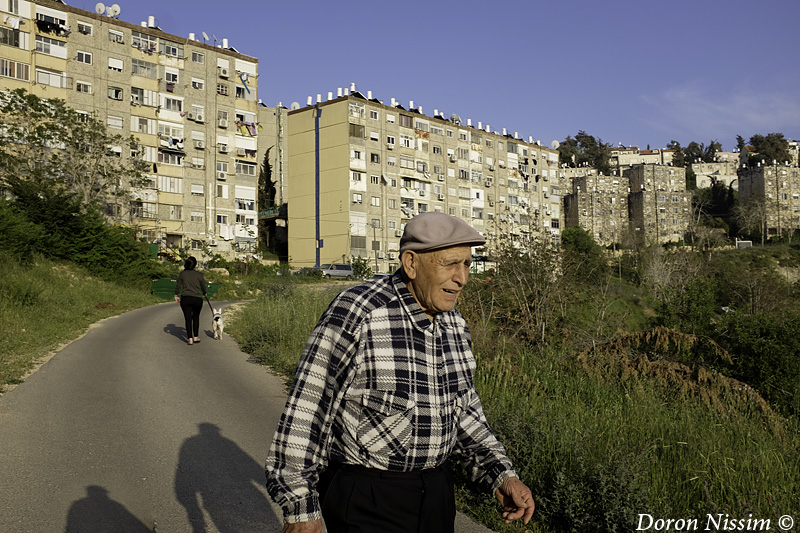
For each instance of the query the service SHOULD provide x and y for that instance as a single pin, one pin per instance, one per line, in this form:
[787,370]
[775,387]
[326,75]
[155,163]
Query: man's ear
[410,262]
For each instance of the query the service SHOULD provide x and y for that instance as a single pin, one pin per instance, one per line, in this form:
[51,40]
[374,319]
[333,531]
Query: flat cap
[434,231]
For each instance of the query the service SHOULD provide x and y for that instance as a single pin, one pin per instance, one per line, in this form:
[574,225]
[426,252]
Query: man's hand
[516,499]
[303,527]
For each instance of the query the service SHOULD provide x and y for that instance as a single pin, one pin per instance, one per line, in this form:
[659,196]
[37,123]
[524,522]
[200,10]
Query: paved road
[130,426]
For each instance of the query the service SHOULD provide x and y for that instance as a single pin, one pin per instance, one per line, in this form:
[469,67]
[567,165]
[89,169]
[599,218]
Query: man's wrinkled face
[436,278]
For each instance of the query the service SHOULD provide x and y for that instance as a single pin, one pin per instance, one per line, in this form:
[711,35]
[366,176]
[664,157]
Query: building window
[357,110]
[406,141]
[115,122]
[84,57]
[374,158]
[375,201]
[115,64]
[222,89]
[247,169]
[173,104]
[44,45]
[197,216]
[198,84]
[51,78]
[357,130]
[170,158]
[116,36]
[84,28]
[198,57]
[83,87]
[143,68]
[143,41]
[374,136]
[358,176]
[373,114]
[115,93]
[171,49]
[390,118]
[406,121]
[390,140]
[375,180]
[357,198]
[171,76]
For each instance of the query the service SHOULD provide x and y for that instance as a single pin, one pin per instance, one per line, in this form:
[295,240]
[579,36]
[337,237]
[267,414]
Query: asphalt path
[129,429]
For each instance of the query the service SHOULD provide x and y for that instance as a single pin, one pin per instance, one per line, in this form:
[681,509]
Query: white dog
[217,324]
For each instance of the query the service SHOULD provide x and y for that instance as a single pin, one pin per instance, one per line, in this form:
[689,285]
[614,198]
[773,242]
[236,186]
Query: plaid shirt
[379,384]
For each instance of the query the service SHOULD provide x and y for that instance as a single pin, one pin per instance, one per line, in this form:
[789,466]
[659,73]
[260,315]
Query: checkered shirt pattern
[380,384]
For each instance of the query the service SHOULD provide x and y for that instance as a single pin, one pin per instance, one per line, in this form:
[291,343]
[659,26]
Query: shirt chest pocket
[385,422]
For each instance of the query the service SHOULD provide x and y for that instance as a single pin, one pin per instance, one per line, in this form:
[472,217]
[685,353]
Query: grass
[48,303]
[598,437]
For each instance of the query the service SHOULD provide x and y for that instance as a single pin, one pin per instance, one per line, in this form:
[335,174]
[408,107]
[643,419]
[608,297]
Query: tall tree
[49,142]
[678,158]
[584,149]
[772,148]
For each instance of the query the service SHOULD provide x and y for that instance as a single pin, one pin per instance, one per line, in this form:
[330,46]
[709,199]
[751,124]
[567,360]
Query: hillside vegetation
[616,391]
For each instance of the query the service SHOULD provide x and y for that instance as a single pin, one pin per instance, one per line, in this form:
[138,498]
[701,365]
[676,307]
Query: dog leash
[209,303]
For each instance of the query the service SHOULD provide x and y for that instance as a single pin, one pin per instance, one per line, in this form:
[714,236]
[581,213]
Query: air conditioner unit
[381,255]
[487,183]
[223,148]
[221,176]
[392,255]
[491,167]
[199,144]
[502,164]
[440,177]
[453,158]
[212,242]
[191,116]
[398,233]
[441,197]
[491,203]
[240,152]
[547,195]
[389,146]
[223,72]
[223,123]
[422,193]
[200,118]
[508,208]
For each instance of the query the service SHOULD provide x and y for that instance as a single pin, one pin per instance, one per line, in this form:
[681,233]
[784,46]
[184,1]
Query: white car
[337,270]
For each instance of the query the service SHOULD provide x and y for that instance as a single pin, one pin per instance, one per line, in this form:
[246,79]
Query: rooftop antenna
[295,106]
[555,144]
[100,8]
[215,39]
[205,37]
[113,11]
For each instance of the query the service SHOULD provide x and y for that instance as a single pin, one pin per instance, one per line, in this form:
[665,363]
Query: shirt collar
[412,308]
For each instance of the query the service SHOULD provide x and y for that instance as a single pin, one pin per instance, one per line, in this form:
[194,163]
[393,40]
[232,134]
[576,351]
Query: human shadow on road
[97,513]
[216,475]
[176,331]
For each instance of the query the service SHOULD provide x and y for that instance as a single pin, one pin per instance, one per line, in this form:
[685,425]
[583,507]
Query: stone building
[599,205]
[773,192]
[659,203]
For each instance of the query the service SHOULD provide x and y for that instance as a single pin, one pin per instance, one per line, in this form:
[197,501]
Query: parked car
[337,270]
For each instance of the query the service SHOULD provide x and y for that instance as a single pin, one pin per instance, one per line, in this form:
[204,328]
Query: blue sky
[633,72]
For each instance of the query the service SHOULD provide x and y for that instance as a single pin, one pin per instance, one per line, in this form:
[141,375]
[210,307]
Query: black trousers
[191,307]
[361,500]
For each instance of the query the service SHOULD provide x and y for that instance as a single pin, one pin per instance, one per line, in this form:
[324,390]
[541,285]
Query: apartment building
[361,168]
[599,205]
[192,106]
[777,188]
[625,157]
[659,203]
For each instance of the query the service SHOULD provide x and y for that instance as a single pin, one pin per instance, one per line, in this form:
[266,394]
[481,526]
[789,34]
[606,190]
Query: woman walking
[190,291]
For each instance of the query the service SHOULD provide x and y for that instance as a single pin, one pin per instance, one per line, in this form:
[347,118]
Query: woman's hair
[190,263]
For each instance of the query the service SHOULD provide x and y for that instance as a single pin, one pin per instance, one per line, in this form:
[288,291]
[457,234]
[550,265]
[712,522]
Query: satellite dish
[114,10]
[455,119]
[295,105]
[100,8]
[205,36]
[555,144]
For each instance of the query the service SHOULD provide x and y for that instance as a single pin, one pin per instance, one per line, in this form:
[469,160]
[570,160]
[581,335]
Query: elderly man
[384,395]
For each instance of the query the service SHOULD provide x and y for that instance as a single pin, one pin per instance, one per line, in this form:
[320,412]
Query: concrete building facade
[774,191]
[660,206]
[599,205]
[360,169]
[191,106]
